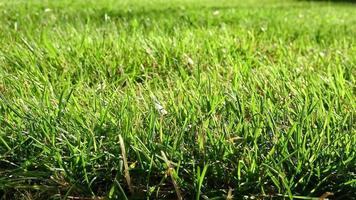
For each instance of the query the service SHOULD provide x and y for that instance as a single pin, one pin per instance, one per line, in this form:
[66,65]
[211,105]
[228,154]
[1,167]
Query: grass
[167,99]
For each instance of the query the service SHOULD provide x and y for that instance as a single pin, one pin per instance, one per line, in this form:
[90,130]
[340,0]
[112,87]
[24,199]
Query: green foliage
[225,99]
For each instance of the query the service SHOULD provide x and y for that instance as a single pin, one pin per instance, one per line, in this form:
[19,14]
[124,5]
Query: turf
[177,99]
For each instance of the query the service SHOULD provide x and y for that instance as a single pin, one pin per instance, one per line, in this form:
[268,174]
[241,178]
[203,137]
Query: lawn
[179,99]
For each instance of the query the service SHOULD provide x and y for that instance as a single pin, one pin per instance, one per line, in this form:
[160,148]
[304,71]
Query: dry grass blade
[326,195]
[170,172]
[126,166]
[230,196]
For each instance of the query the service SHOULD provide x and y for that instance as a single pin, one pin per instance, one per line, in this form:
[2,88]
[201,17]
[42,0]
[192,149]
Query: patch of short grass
[199,99]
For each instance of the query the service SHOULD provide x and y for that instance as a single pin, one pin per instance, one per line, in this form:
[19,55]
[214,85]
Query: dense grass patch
[199,99]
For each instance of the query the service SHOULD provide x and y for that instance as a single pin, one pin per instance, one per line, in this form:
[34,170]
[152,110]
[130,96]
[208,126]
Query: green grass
[161,99]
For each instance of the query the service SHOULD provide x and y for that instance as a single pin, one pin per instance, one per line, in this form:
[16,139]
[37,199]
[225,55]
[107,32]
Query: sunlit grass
[191,99]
